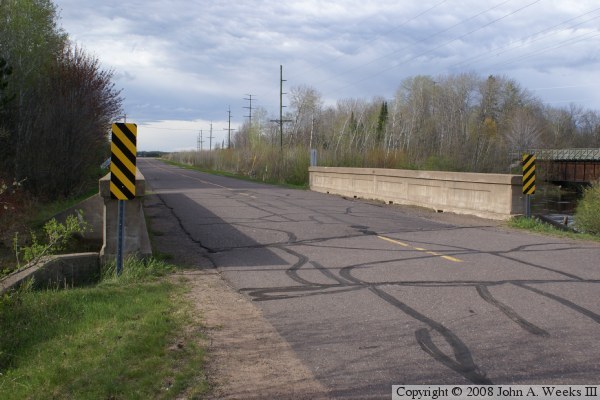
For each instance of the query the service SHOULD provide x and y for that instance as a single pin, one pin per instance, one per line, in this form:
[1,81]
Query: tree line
[461,122]
[56,103]
[454,122]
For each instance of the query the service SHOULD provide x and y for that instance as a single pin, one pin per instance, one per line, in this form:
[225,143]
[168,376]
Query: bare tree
[525,130]
[305,107]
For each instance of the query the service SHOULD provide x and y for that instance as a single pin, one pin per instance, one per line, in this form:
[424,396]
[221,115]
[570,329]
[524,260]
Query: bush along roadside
[587,213]
[57,238]
[123,338]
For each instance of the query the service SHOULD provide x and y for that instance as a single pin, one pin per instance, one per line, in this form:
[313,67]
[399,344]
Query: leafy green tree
[381,122]
[55,132]
[29,42]
[5,96]
[77,103]
[5,99]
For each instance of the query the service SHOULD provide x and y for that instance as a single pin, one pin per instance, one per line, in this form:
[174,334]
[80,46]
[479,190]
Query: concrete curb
[66,270]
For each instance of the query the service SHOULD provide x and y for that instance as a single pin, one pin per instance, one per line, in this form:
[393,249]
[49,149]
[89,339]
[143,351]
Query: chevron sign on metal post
[528,181]
[123,160]
[122,176]
[528,174]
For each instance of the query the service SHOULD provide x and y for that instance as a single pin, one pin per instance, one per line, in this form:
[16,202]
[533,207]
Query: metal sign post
[528,181]
[122,177]
[120,226]
[313,157]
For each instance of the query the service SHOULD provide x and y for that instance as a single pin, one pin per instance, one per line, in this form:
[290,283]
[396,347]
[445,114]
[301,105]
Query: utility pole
[228,129]
[281,120]
[210,138]
[249,98]
[200,141]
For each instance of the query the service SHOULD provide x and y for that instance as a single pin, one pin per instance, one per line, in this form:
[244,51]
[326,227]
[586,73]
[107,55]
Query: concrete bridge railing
[136,240]
[492,196]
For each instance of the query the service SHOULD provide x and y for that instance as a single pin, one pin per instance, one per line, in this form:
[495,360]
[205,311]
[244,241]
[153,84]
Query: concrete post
[136,240]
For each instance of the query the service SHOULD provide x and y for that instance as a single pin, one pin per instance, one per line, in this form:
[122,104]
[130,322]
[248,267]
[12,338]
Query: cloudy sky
[183,63]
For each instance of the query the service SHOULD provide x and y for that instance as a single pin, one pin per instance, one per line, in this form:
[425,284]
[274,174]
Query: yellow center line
[433,253]
[452,259]
[393,241]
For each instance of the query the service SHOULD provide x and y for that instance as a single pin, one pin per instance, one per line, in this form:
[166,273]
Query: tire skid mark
[463,362]
[292,272]
[509,312]
[328,273]
[303,291]
[575,307]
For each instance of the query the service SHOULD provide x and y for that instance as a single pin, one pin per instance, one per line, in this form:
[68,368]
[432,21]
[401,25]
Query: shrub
[57,237]
[587,213]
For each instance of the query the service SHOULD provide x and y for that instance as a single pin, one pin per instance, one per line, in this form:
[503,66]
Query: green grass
[42,212]
[122,339]
[537,226]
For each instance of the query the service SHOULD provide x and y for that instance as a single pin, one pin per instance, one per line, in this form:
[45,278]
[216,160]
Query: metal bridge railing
[562,154]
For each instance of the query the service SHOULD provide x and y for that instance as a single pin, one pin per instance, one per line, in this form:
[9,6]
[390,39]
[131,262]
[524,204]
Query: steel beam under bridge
[567,165]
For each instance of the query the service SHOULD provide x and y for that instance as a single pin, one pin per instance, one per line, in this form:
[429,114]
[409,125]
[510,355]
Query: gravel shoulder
[247,358]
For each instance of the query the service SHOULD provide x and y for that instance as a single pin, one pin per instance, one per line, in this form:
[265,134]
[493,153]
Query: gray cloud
[189,60]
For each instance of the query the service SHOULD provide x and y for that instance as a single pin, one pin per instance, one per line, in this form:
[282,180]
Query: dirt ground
[247,359]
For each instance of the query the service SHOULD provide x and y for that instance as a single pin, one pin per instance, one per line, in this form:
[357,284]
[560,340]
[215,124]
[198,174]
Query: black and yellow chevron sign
[528,174]
[122,161]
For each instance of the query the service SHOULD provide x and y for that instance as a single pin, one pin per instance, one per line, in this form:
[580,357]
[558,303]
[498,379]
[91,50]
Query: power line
[566,42]
[387,55]
[443,44]
[525,40]
[168,129]
[375,37]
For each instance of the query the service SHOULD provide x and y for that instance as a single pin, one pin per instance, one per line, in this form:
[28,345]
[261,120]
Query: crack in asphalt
[460,360]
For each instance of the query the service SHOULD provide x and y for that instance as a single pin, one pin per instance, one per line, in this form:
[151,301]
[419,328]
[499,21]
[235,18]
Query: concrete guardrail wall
[493,196]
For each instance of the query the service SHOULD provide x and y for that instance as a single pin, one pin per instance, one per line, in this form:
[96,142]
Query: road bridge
[369,295]
[568,166]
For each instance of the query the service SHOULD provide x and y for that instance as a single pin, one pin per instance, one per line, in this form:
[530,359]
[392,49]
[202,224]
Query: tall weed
[587,213]
[265,162]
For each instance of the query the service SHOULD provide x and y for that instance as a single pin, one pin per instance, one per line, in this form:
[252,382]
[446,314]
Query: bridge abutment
[135,238]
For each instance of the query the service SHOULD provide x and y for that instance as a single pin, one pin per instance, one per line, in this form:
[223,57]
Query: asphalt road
[372,295]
